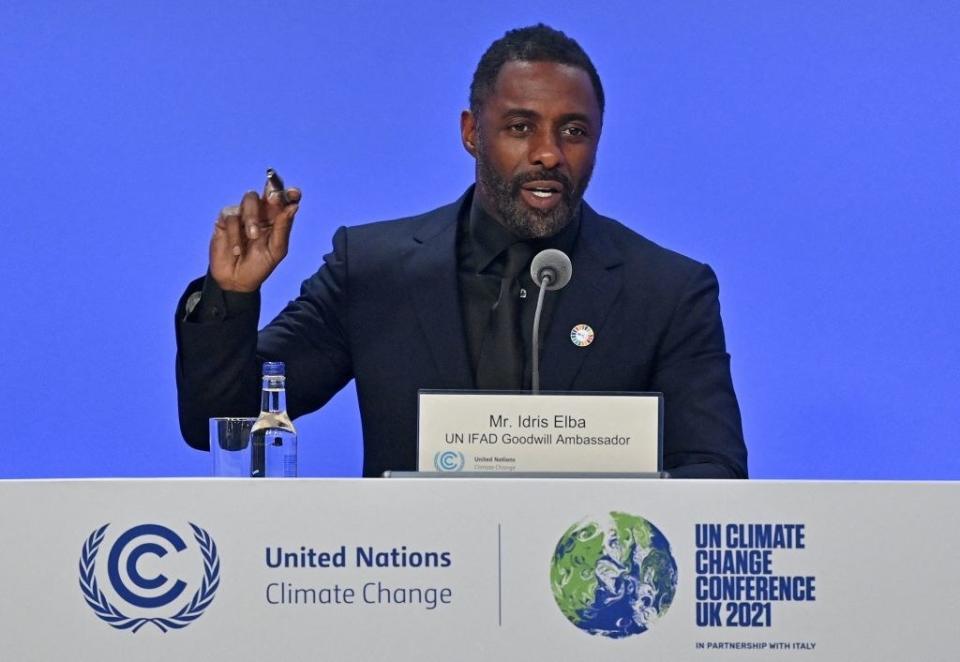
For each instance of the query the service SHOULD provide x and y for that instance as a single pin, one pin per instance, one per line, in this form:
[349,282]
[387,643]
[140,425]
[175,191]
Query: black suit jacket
[384,310]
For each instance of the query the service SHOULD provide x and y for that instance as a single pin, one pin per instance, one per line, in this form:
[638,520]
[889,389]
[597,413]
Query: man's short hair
[537,43]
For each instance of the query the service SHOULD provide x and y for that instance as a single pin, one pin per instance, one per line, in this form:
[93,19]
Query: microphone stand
[547,279]
[549,270]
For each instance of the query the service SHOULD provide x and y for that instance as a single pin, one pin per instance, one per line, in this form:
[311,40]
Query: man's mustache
[542,176]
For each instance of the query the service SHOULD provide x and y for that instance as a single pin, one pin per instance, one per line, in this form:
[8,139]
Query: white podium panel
[478,569]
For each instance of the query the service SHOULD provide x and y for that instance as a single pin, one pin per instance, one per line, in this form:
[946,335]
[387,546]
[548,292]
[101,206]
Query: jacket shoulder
[641,254]
[388,233]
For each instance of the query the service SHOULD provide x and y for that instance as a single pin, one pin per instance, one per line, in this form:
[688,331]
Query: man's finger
[250,214]
[220,250]
[280,236]
[229,210]
[235,242]
[278,200]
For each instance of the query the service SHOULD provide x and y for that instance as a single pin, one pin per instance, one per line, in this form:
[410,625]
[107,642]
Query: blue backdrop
[807,151]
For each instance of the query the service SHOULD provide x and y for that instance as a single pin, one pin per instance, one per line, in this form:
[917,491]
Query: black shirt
[482,244]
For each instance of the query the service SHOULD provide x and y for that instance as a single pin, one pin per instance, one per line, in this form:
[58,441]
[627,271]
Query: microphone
[550,269]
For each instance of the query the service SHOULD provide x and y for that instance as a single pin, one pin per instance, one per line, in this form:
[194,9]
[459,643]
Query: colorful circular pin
[581,335]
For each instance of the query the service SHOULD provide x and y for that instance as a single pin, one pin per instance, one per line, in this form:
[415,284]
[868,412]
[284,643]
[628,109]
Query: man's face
[535,141]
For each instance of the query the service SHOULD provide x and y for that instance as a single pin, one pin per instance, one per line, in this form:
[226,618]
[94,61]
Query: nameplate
[562,432]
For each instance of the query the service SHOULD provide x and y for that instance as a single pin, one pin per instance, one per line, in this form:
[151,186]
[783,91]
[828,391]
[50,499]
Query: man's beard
[521,219]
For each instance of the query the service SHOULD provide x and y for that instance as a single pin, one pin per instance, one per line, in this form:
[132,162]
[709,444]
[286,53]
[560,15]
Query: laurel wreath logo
[187,615]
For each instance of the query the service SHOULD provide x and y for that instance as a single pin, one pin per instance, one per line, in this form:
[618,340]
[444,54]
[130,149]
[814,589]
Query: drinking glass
[231,448]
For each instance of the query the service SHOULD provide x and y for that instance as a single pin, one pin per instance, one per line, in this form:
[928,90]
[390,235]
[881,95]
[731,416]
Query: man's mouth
[543,189]
[544,195]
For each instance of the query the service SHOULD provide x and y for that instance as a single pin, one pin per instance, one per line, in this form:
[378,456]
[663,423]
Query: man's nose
[545,151]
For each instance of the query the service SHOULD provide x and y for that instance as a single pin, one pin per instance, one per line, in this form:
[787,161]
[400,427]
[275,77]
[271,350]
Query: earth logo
[613,576]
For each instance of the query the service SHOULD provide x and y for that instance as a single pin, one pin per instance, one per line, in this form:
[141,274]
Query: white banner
[474,569]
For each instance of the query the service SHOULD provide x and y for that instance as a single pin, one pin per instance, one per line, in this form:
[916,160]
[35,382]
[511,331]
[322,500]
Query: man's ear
[468,132]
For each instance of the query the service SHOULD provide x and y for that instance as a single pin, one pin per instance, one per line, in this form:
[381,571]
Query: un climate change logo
[448,461]
[613,576]
[124,569]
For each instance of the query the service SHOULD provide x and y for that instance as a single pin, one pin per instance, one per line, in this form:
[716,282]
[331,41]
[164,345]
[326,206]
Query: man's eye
[520,127]
[575,131]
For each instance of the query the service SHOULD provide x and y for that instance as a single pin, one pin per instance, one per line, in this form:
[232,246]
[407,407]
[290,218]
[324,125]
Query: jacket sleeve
[703,434]
[220,352]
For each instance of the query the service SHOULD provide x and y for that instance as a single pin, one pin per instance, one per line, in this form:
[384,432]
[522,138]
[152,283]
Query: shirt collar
[490,238]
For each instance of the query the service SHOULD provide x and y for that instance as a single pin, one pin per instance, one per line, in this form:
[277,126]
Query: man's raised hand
[250,239]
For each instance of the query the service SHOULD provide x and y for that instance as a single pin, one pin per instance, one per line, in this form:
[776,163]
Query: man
[439,300]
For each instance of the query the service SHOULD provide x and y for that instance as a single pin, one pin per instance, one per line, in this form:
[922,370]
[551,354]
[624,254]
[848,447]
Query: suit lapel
[587,299]
[433,286]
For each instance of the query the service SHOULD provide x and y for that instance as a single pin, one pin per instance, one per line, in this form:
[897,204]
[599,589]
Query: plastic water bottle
[273,435]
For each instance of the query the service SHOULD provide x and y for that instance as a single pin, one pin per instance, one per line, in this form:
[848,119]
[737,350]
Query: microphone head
[553,265]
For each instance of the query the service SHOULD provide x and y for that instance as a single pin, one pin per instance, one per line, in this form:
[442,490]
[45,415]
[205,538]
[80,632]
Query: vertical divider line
[499,578]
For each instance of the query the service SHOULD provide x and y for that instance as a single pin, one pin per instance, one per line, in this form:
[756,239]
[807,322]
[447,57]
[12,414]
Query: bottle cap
[273,368]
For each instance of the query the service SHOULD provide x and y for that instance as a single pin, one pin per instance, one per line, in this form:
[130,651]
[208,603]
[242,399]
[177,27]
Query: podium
[478,569]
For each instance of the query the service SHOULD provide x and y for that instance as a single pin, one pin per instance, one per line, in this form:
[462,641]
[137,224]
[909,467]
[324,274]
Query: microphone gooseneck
[550,269]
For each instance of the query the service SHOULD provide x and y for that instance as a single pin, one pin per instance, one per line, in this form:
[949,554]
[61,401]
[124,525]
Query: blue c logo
[147,583]
[448,461]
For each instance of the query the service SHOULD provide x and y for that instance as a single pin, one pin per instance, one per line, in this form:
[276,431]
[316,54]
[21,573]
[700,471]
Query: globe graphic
[613,576]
